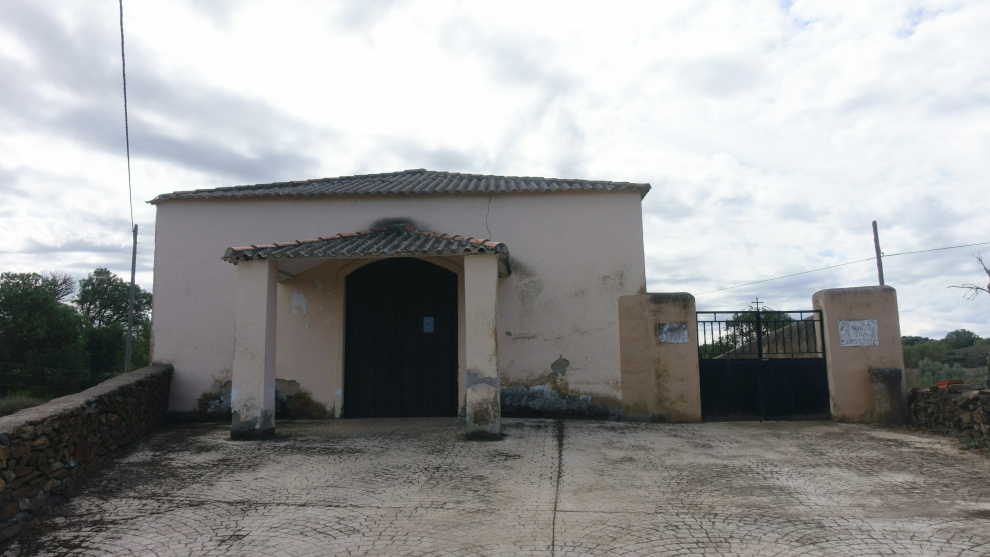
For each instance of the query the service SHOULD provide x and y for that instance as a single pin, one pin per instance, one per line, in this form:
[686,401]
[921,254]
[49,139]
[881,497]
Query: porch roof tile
[407,182]
[396,239]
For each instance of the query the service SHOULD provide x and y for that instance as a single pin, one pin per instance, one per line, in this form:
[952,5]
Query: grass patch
[19,401]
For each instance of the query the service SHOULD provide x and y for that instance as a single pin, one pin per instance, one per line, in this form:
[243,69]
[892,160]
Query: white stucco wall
[573,255]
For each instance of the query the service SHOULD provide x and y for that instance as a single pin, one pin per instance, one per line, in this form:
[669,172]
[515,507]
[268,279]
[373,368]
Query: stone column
[889,407]
[484,411]
[862,330]
[252,393]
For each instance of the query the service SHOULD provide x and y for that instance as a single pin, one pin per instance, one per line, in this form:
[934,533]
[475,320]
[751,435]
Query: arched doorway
[400,345]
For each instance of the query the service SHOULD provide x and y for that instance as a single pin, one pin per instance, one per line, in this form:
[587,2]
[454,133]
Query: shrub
[19,401]
[929,372]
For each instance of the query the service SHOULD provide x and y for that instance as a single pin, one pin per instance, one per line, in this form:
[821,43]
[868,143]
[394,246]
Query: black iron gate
[762,364]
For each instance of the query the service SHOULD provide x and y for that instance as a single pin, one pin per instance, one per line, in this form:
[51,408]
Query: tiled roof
[400,239]
[407,182]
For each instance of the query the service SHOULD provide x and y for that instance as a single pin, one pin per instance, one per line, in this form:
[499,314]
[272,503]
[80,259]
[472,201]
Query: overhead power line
[130,201]
[843,265]
[935,249]
[127,131]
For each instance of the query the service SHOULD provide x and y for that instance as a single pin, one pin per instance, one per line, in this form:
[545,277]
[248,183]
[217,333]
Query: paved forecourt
[416,487]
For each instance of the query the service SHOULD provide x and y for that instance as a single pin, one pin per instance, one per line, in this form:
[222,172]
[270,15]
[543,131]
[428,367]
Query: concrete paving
[416,487]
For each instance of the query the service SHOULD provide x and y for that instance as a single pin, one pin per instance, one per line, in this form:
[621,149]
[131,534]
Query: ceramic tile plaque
[861,332]
[672,333]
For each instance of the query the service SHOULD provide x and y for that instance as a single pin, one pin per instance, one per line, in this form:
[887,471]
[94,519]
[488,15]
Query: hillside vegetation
[961,354]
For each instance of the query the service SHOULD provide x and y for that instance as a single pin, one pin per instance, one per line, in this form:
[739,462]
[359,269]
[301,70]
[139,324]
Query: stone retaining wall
[45,449]
[958,409]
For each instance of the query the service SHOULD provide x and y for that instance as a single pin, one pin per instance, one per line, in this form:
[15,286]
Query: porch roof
[391,240]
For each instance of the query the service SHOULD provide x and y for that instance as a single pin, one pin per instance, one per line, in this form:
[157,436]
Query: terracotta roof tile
[406,182]
[396,239]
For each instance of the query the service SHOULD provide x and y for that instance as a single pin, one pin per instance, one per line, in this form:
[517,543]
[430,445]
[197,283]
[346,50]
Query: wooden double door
[400,345]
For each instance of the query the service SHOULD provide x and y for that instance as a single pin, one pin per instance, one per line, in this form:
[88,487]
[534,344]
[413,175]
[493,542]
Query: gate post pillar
[252,392]
[658,355]
[484,410]
[862,330]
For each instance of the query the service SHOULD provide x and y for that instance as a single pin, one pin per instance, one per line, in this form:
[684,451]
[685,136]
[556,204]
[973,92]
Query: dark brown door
[400,347]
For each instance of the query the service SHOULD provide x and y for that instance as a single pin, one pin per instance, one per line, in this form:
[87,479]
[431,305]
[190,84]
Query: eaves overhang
[408,183]
[401,240]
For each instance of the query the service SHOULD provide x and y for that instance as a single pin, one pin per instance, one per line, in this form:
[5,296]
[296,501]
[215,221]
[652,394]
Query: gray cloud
[360,15]
[219,14]
[959,101]
[526,60]
[519,59]
[7,179]
[867,101]
[572,158]
[720,77]
[72,246]
[213,118]
[417,156]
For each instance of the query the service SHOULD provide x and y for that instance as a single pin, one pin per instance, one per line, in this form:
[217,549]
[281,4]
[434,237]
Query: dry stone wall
[45,449]
[957,408]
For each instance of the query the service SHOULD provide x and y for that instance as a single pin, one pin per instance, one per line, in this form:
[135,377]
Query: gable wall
[573,255]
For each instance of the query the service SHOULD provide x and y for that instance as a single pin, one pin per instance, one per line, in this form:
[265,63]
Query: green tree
[104,301]
[742,326]
[930,349]
[740,329]
[911,341]
[960,338]
[36,328]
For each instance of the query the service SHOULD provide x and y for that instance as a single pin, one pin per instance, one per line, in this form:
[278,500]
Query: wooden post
[876,245]
[130,307]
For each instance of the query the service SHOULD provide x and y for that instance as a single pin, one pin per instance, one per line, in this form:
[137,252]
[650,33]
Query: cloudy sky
[773,132]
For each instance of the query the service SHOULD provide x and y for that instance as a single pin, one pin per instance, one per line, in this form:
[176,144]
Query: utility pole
[876,244]
[130,306]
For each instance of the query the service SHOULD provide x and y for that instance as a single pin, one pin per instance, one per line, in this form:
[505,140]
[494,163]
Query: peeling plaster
[298,301]
[559,367]
[483,410]
[550,396]
[543,401]
[474,378]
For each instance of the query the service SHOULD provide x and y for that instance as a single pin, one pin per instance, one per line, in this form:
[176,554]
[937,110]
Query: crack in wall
[559,426]
[488,212]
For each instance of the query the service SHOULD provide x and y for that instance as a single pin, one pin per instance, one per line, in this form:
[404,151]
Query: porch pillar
[252,394]
[484,411]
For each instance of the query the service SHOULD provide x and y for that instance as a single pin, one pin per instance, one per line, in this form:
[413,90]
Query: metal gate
[762,364]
